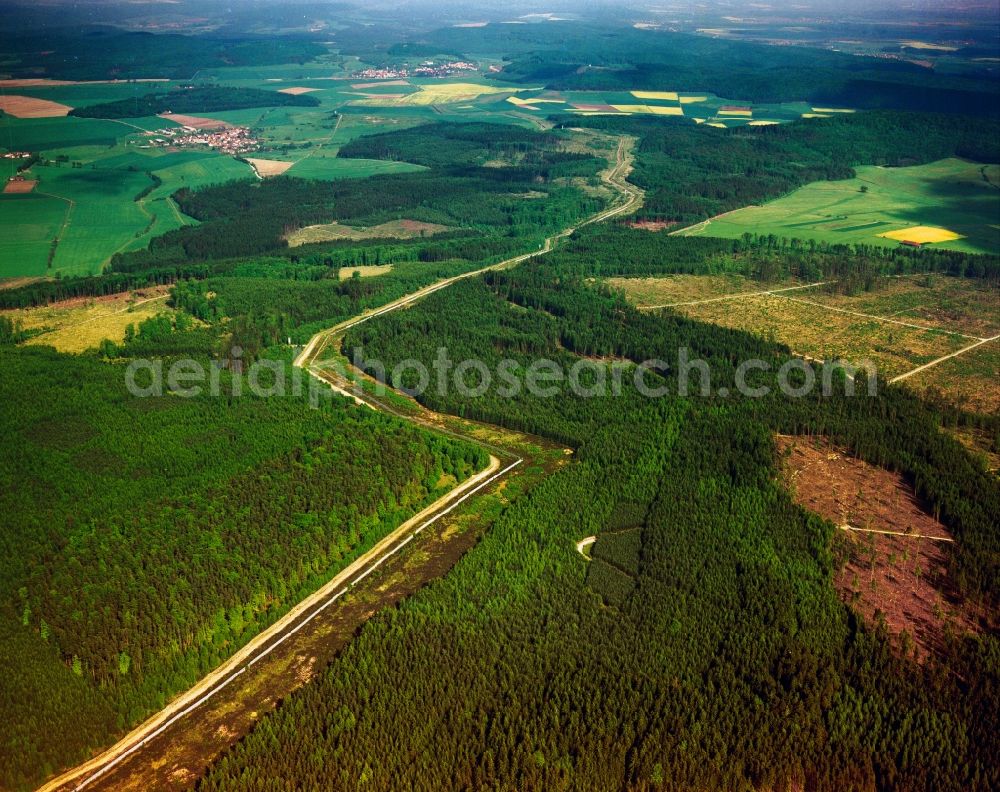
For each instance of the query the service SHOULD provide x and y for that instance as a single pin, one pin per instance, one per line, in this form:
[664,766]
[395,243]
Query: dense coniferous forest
[246,218]
[623,250]
[206,99]
[686,655]
[105,53]
[714,654]
[624,59]
[693,172]
[106,620]
[702,647]
[150,537]
[458,146]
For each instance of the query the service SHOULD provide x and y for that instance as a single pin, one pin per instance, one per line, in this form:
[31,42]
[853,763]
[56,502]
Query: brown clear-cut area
[651,225]
[980,443]
[972,380]
[897,578]
[394,229]
[673,289]
[824,334]
[81,323]
[963,305]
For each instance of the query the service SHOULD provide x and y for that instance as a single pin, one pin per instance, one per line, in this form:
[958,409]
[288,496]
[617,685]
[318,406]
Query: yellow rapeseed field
[669,96]
[674,110]
[922,235]
[445,93]
[665,110]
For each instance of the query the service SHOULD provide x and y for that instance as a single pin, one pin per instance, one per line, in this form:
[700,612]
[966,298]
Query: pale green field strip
[28,224]
[950,194]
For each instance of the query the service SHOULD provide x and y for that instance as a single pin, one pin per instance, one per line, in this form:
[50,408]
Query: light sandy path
[300,615]
[698,228]
[943,358]
[268,640]
[733,296]
[896,533]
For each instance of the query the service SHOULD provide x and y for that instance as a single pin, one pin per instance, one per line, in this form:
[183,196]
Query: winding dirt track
[84,775]
[615,177]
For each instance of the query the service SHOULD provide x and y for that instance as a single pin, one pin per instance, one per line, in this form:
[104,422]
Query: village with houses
[427,68]
[233,140]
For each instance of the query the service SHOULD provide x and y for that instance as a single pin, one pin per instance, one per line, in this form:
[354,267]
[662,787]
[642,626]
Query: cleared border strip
[633,196]
[108,766]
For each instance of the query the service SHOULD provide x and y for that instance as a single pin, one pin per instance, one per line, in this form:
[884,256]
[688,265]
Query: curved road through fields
[82,776]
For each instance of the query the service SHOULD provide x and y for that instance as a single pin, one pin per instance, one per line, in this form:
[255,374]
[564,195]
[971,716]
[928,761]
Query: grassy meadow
[951,194]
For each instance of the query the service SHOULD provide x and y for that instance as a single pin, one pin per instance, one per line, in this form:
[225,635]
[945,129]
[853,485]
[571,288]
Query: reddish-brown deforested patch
[895,569]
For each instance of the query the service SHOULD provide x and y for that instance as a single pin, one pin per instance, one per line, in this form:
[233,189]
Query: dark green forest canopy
[206,99]
[134,556]
[704,647]
[583,57]
[684,663]
[246,218]
[456,146]
[101,53]
[693,172]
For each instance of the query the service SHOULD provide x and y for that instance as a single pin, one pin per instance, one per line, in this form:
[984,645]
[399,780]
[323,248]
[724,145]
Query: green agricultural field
[8,168]
[103,217]
[186,169]
[85,94]
[950,194]
[93,211]
[46,134]
[329,167]
[28,224]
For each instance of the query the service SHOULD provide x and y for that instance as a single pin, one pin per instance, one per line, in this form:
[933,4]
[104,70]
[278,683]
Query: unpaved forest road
[615,177]
[268,640]
[83,775]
